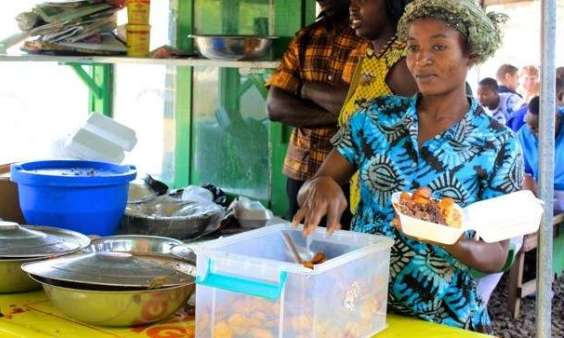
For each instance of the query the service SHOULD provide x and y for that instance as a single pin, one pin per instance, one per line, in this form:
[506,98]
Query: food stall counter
[31,315]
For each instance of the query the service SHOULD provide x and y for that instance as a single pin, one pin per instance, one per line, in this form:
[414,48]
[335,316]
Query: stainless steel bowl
[28,244]
[117,308]
[13,278]
[233,47]
[135,244]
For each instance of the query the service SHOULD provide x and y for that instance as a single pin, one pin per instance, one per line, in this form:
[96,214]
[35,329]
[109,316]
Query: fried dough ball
[222,330]
[450,213]
[405,197]
[318,258]
[423,192]
[261,333]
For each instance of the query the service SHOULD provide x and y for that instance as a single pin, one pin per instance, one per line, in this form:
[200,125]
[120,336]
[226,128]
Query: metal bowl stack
[233,47]
[117,281]
[24,244]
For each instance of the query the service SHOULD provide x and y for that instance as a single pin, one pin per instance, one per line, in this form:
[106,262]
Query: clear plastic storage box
[249,286]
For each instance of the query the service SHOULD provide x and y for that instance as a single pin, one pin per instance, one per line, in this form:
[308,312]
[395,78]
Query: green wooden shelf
[193,62]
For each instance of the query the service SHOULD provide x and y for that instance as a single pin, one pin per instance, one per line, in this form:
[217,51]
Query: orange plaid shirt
[321,52]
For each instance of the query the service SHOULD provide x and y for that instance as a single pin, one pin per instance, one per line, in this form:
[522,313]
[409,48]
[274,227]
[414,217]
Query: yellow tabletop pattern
[30,315]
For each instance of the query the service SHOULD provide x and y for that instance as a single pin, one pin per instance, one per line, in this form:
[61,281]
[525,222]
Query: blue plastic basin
[84,196]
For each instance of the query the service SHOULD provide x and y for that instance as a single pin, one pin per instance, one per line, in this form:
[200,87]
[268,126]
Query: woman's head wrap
[481,30]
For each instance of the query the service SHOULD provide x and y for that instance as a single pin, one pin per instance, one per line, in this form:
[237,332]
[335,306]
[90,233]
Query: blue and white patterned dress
[475,159]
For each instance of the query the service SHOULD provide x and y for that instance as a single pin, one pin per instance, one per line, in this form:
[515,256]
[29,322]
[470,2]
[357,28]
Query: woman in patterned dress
[439,138]
[382,70]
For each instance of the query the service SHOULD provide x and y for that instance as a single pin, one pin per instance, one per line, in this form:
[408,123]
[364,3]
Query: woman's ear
[472,60]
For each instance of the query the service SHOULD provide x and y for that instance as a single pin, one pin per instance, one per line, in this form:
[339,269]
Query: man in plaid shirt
[309,88]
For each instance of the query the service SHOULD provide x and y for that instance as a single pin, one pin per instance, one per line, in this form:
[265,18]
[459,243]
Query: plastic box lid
[258,263]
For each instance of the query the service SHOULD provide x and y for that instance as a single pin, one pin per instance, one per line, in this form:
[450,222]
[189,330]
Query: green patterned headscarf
[481,30]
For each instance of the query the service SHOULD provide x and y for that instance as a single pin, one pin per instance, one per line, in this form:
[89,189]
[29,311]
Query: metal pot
[233,47]
[27,244]
[13,278]
[185,253]
[117,308]
[135,244]
[114,269]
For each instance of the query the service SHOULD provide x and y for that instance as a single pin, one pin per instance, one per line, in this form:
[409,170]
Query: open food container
[494,220]
[249,285]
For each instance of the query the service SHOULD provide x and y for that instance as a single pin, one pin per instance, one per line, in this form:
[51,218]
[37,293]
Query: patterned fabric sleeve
[507,175]
[514,103]
[287,76]
[347,140]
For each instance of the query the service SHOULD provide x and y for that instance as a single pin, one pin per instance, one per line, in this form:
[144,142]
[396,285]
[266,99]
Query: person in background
[560,73]
[560,92]
[501,106]
[382,70]
[308,90]
[529,80]
[517,121]
[507,79]
[528,137]
[440,139]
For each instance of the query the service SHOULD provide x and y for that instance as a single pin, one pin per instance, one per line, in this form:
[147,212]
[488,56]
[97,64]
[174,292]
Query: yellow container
[138,40]
[138,12]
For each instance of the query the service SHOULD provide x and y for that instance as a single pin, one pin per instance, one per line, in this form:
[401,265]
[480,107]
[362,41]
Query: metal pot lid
[115,269]
[18,241]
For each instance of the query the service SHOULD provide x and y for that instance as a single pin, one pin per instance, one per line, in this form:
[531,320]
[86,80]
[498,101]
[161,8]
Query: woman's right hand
[319,197]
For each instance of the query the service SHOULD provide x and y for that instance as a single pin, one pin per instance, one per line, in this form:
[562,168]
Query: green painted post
[103,77]
[184,11]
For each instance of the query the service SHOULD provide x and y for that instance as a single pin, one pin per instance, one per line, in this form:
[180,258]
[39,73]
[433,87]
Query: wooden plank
[529,288]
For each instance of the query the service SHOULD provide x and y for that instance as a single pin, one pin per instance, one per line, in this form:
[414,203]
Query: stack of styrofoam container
[101,139]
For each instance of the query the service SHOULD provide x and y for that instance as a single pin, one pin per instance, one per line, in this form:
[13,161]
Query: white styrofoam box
[90,146]
[494,220]
[249,286]
[111,130]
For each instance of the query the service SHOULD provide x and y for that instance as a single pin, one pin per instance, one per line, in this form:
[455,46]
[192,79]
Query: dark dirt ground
[505,326]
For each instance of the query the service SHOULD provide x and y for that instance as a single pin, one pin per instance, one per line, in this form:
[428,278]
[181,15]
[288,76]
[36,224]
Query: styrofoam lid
[505,217]
[87,145]
[112,130]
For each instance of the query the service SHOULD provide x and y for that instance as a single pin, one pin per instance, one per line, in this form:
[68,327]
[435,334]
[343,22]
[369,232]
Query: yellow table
[30,315]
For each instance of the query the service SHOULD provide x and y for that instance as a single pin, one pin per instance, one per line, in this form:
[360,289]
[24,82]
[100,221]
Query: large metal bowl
[142,245]
[117,308]
[20,245]
[233,47]
[13,278]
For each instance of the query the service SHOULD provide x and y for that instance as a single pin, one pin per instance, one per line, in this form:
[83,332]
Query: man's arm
[329,97]
[297,112]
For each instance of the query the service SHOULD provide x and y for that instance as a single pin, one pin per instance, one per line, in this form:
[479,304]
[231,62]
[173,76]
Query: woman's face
[368,17]
[436,57]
